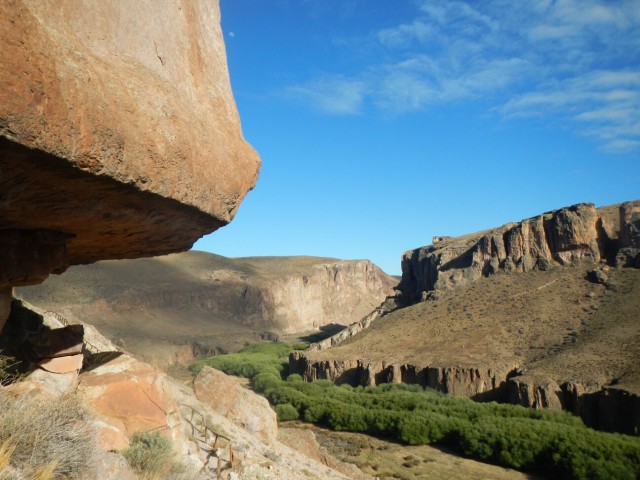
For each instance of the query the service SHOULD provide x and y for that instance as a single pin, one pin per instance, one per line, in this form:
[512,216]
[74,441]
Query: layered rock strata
[119,135]
[486,384]
[561,237]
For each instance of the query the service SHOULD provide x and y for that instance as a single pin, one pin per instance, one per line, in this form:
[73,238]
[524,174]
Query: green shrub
[286,412]
[150,455]
[294,378]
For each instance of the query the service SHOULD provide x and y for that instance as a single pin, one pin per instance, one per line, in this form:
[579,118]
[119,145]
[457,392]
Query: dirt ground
[392,461]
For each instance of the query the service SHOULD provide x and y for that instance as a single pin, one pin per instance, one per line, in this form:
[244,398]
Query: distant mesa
[115,141]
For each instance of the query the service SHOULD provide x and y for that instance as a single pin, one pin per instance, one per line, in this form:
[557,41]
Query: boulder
[119,135]
[224,395]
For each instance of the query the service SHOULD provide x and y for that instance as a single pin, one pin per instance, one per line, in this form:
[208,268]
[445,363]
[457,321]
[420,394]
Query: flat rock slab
[129,396]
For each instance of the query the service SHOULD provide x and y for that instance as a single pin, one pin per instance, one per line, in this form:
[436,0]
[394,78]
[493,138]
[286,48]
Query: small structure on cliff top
[119,134]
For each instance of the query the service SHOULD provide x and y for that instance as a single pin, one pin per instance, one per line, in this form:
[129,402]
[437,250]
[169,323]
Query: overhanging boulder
[119,134]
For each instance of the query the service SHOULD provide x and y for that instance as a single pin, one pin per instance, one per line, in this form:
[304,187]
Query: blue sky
[382,123]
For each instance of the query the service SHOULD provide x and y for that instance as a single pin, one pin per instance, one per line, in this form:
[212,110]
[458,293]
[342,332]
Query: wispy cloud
[331,94]
[578,60]
[604,105]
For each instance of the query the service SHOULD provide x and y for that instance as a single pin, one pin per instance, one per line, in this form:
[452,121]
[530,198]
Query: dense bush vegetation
[551,441]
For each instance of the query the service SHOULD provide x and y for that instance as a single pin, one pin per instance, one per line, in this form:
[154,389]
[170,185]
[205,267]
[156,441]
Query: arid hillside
[565,334]
[175,307]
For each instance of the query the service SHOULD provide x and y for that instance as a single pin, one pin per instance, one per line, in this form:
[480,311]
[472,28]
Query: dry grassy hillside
[556,323]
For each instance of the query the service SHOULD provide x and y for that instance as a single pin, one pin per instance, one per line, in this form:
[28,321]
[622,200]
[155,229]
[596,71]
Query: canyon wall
[208,303]
[119,134]
[561,237]
[602,407]
[315,295]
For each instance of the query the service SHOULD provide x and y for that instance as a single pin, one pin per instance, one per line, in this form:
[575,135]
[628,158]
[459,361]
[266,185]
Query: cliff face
[341,292]
[560,237]
[481,383]
[119,135]
[207,302]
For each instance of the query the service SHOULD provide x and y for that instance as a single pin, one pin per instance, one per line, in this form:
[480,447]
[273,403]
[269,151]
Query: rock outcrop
[129,396]
[224,395]
[121,395]
[561,237]
[119,135]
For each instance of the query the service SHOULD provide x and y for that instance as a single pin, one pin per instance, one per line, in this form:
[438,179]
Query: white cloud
[405,34]
[603,105]
[621,146]
[575,60]
[232,34]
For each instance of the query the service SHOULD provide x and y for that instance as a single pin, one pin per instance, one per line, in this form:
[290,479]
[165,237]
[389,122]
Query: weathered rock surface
[129,396]
[119,135]
[561,237]
[126,395]
[243,407]
[252,457]
[305,442]
[206,303]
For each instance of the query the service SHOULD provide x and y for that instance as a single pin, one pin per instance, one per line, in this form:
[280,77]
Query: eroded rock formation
[481,383]
[561,237]
[119,135]
[602,407]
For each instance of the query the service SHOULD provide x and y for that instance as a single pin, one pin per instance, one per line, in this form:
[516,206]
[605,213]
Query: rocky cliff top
[119,134]
[561,237]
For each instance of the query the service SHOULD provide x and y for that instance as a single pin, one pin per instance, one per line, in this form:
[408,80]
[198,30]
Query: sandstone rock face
[560,237]
[253,457]
[336,292]
[119,135]
[129,396]
[243,407]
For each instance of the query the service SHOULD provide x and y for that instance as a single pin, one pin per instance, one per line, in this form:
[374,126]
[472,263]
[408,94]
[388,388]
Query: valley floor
[391,461]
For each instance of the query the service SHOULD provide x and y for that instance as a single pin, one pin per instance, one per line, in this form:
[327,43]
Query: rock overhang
[119,134]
